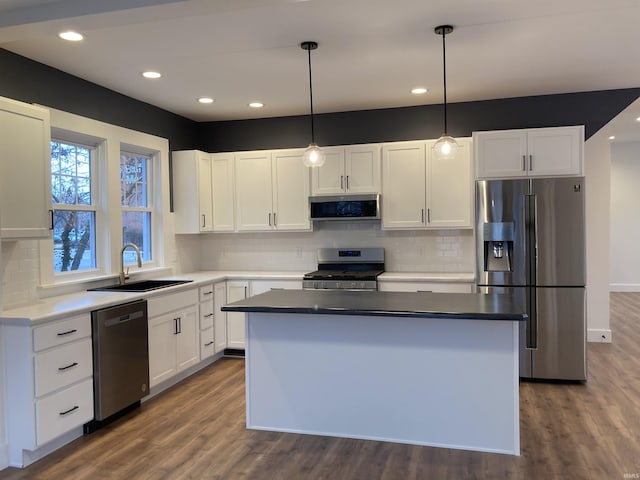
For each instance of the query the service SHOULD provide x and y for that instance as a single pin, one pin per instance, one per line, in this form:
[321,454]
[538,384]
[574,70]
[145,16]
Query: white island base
[440,382]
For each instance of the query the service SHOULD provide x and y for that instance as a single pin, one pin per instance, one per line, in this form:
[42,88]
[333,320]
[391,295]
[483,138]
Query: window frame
[109,140]
[95,146]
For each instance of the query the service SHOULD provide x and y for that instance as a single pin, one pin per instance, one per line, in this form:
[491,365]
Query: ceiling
[371,52]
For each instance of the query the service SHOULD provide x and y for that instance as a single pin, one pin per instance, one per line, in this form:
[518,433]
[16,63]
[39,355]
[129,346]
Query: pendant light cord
[444,77]
[313,138]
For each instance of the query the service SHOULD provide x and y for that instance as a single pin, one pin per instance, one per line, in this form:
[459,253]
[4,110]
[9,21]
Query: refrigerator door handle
[534,246]
[532,327]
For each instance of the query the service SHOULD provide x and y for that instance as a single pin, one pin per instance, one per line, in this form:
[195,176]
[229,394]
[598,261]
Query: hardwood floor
[196,431]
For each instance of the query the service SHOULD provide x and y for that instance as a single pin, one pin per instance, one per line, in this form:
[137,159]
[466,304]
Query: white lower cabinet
[220,317]
[49,382]
[426,286]
[207,346]
[173,334]
[236,290]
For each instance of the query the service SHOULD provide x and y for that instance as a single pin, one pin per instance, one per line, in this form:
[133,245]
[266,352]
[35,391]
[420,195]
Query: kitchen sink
[141,286]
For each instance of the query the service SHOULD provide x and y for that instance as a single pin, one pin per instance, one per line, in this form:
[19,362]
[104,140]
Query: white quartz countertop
[462,277]
[62,306]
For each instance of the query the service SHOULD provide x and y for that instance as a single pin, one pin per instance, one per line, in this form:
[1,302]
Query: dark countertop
[391,304]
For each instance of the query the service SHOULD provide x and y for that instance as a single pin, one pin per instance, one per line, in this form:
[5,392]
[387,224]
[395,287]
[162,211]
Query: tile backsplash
[20,268]
[433,251]
[406,251]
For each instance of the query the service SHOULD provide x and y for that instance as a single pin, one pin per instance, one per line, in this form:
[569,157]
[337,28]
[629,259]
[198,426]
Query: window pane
[74,243]
[136,229]
[70,174]
[134,180]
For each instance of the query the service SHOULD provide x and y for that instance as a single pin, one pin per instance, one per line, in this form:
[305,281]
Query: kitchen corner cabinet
[207,314]
[272,191]
[192,191]
[49,382]
[352,169]
[422,192]
[236,290]
[25,146]
[554,151]
[173,334]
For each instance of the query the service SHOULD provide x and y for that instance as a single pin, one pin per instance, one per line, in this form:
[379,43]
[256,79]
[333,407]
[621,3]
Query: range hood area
[345,207]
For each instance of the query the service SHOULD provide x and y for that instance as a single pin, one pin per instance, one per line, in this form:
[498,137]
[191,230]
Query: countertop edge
[379,313]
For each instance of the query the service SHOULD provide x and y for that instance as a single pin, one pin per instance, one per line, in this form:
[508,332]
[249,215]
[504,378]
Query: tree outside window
[136,198]
[74,242]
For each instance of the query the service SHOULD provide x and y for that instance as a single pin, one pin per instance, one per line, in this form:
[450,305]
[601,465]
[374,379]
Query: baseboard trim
[624,287]
[599,335]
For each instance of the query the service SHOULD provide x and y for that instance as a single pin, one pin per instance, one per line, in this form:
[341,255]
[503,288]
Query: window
[74,210]
[137,204]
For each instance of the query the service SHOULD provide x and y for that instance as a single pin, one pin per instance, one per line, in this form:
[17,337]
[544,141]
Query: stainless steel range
[346,269]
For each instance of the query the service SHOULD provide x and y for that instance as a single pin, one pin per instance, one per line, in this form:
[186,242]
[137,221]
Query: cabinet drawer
[172,302]
[63,366]
[206,293]
[60,412]
[58,333]
[206,315]
[207,346]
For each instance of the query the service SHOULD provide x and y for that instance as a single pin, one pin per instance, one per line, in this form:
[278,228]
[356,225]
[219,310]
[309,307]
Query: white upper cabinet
[254,194]
[192,191]
[25,139]
[351,169]
[222,178]
[404,186]
[290,190]
[553,151]
[450,188]
[272,191]
[420,191]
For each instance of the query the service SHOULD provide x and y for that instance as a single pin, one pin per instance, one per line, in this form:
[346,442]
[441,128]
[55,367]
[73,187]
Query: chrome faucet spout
[125,276]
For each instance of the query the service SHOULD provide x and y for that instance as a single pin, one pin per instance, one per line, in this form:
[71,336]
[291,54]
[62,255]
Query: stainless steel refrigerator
[530,243]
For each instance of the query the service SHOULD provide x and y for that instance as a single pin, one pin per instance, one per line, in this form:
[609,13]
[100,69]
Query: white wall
[410,251]
[625,217]
[597,166]
[4,447]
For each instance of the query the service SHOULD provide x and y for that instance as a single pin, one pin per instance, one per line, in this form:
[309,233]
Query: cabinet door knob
[524,163]
[347,182]
[275,224]
[530,163]
[204,222]
[62,369]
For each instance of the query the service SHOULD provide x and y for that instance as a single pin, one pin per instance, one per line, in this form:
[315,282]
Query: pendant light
[313,155]
[446,146]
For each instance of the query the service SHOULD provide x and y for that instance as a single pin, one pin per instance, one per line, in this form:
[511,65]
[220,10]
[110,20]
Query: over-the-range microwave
[345,207]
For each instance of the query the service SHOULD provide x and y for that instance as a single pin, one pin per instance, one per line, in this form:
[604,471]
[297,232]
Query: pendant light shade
[446,146]
[313,155]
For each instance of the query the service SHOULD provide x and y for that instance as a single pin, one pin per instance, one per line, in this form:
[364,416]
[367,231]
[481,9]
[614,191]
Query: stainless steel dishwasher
[120,359]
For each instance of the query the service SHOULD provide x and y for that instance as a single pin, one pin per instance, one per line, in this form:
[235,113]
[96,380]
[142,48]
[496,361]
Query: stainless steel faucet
[125,276]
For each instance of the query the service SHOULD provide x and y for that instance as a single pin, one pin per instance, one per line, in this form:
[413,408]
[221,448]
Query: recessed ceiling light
[419,90]
[256,105]
[205,100]
[151,74]
[612,137]
[638,119]
[71,36]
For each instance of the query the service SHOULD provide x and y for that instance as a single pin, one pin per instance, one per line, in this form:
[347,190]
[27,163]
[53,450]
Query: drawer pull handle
[62,334]
[208,315]
[74,364]
[69,411]
[207,293]
[207,344]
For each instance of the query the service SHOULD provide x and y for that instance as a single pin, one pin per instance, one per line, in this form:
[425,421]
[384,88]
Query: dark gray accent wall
[592,109]
[32,82]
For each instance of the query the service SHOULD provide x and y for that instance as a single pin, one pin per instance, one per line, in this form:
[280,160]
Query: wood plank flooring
[196,431]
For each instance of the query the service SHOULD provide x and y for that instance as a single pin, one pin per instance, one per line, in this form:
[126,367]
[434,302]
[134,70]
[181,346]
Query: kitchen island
[422,368]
